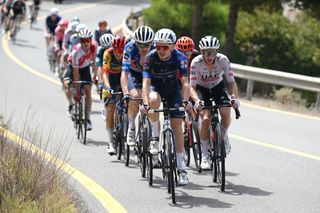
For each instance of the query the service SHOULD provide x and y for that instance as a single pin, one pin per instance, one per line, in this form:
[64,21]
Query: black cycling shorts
[218,93]
[85,74]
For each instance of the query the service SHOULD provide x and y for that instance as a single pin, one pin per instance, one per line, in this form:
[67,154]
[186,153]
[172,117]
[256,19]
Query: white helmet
[73,25]
[81,27]
[54,11]
[106,40]
[166,36]
[209,42]
[143,34]
[85,33]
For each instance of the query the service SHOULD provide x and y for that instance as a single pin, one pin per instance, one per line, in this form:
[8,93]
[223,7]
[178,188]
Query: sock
[204,146]
[70,101]
[224,131]
[155,128]
[109,135]
[180,161]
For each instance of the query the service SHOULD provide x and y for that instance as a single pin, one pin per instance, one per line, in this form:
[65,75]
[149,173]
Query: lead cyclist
[206,78]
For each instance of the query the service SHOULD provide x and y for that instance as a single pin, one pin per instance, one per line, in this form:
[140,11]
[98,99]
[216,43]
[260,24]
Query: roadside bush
[29,182]
[288,96]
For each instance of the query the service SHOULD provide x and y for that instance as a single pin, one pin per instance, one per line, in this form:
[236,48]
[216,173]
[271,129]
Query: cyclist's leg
[85,75]
[154,103]
[67,78]
[221,96]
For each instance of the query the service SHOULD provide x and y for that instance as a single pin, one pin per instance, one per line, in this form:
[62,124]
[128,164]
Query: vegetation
[28,182]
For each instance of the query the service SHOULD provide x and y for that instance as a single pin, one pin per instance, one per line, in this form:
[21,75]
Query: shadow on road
[245,190]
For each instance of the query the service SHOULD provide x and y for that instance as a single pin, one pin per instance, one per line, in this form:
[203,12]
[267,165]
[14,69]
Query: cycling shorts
[85,74]
[171,93]
[135,81]
[218,93]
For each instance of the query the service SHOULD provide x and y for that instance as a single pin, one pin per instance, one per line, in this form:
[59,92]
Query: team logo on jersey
[184,64]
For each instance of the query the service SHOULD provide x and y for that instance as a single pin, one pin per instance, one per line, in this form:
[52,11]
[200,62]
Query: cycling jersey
[99,57]
[73,41]
[98,34]
[81,59]
[18,6]
[163,75]
[66,37]
[200,75]
[193,55]
[58,34]
[52,24]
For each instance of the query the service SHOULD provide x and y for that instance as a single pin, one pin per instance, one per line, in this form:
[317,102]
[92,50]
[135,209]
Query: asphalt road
[273,165]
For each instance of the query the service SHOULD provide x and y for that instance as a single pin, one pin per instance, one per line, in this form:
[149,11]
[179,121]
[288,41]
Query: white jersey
[200,75]
[81,59]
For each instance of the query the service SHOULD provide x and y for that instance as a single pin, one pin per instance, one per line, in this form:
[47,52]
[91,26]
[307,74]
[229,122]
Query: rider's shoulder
[221,57]
[130,46]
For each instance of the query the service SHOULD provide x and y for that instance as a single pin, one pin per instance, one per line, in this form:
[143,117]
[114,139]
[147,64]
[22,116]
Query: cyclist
[206,78]
[52,21]
[133,59]
[186,46]
[32,5]
[105,43]
[58,40]
[159,81]
[81,57]
[74,40]
[101,30]
[5,9]
[18,7]
[112,64]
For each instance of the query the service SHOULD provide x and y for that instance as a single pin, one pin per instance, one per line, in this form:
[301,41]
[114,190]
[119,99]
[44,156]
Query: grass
[28,182]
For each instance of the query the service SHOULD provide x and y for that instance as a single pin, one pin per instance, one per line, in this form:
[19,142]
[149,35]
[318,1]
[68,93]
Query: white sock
[224,131]
[155,128]
[180,161]
[132,123]
[70,101]
[109,135]
[204,146]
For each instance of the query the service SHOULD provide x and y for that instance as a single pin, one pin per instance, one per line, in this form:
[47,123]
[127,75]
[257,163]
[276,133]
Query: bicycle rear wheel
[196,146]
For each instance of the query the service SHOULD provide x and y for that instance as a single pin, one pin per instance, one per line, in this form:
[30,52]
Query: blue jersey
[52,24]
[165,72]
[131,58]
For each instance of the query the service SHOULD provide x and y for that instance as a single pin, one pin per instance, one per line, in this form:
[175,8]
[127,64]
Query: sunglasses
[143,45]
[86,40]
[188,53]
[207,53]
[162,47]
[118,51]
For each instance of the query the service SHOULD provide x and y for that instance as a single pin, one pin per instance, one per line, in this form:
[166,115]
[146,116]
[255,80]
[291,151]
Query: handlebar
[166,109]
[236,110]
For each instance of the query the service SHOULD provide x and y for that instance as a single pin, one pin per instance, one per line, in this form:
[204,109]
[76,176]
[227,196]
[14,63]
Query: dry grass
[28,182]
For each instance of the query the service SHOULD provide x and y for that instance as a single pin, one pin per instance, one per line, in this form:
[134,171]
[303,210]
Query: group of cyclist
[151,66]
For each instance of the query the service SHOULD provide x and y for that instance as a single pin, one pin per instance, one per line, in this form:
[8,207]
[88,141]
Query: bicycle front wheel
[218,158]
[85,116]
[171,163]
[124,131]
[196,146]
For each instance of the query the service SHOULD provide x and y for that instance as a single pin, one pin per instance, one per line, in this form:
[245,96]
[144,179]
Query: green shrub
[287,96]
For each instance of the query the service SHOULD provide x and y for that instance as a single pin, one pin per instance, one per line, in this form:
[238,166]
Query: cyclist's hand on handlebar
[198,106]
[235,102]
[100,86]
[144,108]
[107,92]
[187,105]
[125,99]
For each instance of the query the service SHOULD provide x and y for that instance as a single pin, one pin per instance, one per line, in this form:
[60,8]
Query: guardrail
[259,74]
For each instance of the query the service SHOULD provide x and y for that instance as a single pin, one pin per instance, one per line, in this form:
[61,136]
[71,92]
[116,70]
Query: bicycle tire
[126,148]
[170,153]
[84,141]
[80,121]
[218,157]
[186,137]
[196,147]
[149,171]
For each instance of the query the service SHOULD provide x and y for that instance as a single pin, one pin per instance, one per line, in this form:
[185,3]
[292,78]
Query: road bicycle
[168,149]
[216,149]
[80,114]
[52,55]
[15,27]
[192,140]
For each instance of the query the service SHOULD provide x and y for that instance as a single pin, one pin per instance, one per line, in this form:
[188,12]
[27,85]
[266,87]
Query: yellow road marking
[271,146]
[108,202]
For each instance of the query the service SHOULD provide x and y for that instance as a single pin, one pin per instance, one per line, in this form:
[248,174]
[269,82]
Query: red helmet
[118,42]
[185,44]
[63,23]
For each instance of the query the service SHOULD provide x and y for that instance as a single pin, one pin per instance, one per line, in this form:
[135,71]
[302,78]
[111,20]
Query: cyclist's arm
[193,82]
[185,88]
[145,90]
[106,64]
[229,75]
[125,71]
